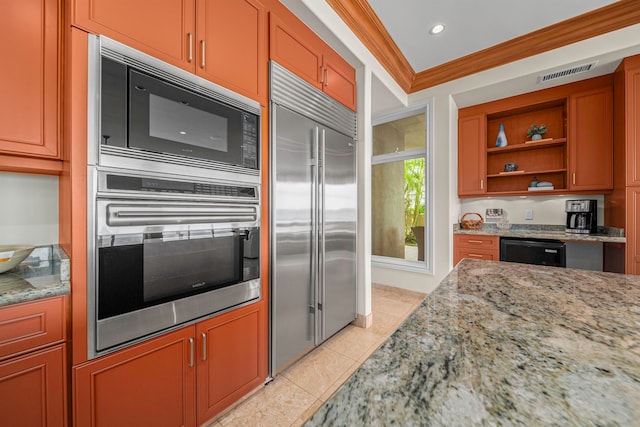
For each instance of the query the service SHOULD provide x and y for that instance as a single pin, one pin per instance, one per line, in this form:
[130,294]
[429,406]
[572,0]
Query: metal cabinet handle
[190,37]
[475,241]
[202,61]
[321,75]
[326,77]
[475,255]
[574,179]
[191,349]
[204,346]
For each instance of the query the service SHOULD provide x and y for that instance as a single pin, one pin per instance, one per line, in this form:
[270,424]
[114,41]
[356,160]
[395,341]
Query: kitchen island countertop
[505,344]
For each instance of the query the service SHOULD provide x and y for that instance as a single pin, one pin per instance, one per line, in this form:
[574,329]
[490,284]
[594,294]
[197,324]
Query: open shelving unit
[546,160]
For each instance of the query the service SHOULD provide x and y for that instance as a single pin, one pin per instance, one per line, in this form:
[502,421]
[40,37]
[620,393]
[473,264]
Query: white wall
[28,209]
[546,210]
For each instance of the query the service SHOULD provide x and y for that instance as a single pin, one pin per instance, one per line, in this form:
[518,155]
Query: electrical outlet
[528,214]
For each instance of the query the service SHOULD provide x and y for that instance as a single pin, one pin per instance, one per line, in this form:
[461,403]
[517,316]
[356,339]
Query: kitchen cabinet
[294,46]
[576,153]
[232,358]
[591,140]
[471,155]
[475,246]
[30,86]
[182,378]
[224,41]
[150,384]
[622,205]
[33,389]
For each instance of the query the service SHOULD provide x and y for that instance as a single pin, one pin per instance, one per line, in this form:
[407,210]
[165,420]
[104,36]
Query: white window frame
[426,266]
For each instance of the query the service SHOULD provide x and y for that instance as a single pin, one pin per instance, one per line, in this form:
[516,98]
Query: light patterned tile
[397,294]
[307,414]
[384,324]
[353,341]
[389,305]
[318,370]
[279,403]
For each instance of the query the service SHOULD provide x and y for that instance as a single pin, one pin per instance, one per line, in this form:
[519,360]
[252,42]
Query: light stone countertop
[45,273]
[609,235]
[505,344]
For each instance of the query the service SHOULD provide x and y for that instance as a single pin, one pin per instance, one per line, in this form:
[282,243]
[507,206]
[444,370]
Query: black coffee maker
[581,216]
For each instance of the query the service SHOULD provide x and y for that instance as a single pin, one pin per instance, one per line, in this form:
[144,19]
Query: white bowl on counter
[11,256]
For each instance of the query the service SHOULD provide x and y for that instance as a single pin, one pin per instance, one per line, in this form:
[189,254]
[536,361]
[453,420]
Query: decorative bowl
[11,256]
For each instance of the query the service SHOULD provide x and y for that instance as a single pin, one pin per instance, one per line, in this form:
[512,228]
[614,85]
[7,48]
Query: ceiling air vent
[568,72]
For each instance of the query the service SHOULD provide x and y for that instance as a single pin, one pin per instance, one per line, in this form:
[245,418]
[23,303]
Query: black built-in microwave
[141,111]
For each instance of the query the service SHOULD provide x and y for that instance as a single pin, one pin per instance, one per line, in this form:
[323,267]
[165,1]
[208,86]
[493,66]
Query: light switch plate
[528,214]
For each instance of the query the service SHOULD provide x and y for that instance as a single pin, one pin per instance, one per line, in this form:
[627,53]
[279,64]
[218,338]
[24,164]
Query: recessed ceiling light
[436,29]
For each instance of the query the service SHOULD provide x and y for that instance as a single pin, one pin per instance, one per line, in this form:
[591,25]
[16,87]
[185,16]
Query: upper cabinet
[591,140]
[224,41]
[294,46]
[575,154]
[30,102]
[232,48]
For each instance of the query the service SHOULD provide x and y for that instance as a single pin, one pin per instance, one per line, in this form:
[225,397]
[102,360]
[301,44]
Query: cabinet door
[33,389]
[232,358]
[29,78]
[632,231]
[591,140]
[339,80]
[296,47]
[460,253]
[472,149]
[151,384]
[631,122]
[232,48]
[162,28]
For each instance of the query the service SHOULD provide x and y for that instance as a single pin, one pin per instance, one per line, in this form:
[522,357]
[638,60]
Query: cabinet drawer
[475,241]
[31,325]
[460,253]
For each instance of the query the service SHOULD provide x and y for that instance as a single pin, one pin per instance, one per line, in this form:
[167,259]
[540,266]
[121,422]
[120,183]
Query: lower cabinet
[33,389]
[183,378]
[632,230]
[476,247]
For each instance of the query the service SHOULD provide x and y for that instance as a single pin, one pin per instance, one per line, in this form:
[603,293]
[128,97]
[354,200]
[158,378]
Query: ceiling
[470,25]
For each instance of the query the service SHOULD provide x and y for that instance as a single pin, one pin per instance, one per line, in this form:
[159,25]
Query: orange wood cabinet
[472,155]
[183,378]
[32,325]
[232,45]
[221,40]
[591,140]
[476,247]
[33,389]
[294,46]
[232,358]
[575,155]
[632,231]
[30,84]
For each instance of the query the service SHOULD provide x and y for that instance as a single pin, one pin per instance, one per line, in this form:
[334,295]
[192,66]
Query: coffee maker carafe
[581,216]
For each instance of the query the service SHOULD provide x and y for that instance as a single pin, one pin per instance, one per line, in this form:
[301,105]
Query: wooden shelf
[521,173]
[527,146]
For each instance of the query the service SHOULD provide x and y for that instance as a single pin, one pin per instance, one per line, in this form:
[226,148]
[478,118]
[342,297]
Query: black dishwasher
[533,251]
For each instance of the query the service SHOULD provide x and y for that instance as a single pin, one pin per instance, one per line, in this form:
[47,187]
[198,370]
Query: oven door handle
[123,215]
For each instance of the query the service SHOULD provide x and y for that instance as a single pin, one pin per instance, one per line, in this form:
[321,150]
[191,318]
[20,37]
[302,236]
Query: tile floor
[296,393]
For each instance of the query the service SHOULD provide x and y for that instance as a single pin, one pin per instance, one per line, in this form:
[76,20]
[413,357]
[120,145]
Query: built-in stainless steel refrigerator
[313,200]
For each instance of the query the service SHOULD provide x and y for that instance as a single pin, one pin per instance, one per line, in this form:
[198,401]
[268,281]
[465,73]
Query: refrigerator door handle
[321,235]
[314,231]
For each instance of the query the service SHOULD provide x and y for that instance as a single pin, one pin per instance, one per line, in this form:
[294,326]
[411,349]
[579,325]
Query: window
[400,177]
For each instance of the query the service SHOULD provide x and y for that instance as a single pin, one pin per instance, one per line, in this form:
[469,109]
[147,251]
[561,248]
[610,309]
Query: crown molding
[366,25]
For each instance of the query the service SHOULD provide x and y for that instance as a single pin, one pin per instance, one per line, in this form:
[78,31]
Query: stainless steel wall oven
[172,237]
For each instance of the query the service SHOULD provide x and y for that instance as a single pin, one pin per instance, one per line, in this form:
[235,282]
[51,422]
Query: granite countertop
[605,234]
[505,344]
[45,273]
